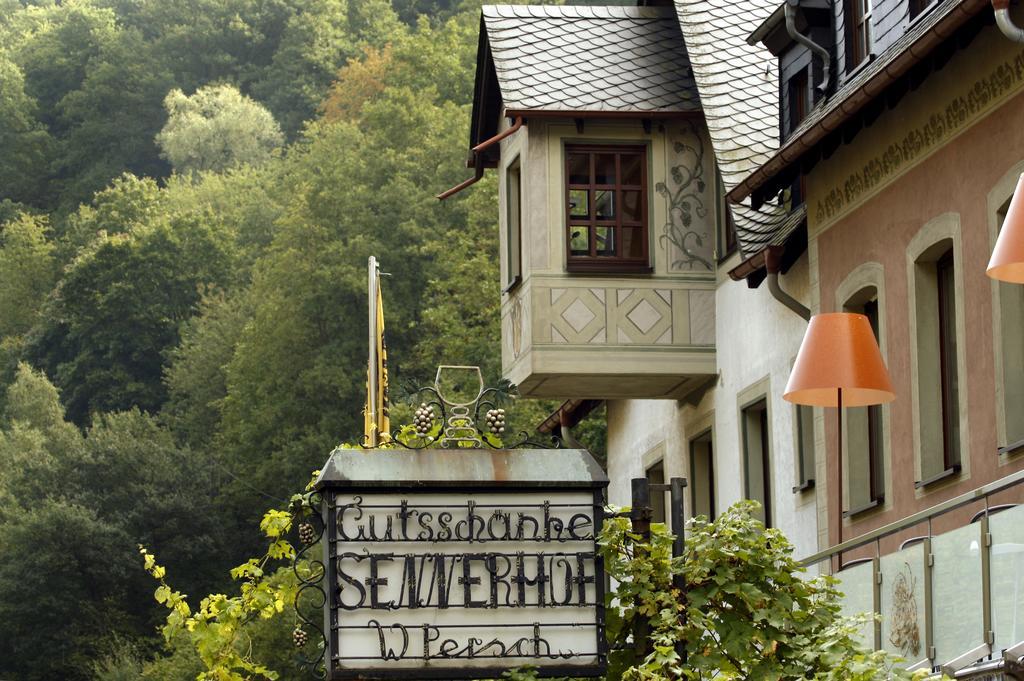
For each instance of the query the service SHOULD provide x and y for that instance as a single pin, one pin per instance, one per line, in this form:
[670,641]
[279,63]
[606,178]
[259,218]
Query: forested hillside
[189,191]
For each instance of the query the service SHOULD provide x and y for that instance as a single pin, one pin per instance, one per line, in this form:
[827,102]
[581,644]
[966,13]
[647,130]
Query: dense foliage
[189,192]
[750,611]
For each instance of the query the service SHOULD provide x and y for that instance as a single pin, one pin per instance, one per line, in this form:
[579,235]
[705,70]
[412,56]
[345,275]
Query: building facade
[682,186]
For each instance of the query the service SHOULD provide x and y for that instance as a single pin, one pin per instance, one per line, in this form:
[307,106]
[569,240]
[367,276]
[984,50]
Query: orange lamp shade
[1007,262]
[839,351]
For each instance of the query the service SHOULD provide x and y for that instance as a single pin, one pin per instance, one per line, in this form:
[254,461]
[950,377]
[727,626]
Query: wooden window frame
[804,419]
[799,98]
[610,264]
[513,228]
[876,435]
[760,406]
[866,302]
[858,32]
[707,437]
[937,458]
[946,289]
[659,509]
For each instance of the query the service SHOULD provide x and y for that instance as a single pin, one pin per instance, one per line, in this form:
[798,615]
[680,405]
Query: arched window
[936,287]
[866,429]
[865,461]
[1008,318]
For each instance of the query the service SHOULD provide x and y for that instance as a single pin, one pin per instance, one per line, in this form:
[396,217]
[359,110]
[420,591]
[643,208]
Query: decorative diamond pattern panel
[588,315]
[577,315]
[642,316]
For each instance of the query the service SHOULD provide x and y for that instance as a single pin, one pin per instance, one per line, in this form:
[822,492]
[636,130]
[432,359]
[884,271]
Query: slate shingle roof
[623,59]
[738,85]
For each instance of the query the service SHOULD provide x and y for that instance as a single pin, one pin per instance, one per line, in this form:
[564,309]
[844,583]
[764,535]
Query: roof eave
[597,113]
[791,152]
[767,26]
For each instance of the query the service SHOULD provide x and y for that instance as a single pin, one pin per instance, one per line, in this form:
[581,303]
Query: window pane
[579,168]
[605,237]
[875,451]
[632,242]
[1011,304]
[604,169]
[632,209]
[702,476]
[656,476]
[604,204]
[632,169]
[805,438]
[513,219]
[579,240]
[948,352]
[579,203]
[755,445]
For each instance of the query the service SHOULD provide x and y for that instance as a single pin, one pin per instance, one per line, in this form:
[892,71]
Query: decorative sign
[468,574]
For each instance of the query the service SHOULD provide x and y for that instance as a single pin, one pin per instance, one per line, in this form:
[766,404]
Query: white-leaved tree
[215,129]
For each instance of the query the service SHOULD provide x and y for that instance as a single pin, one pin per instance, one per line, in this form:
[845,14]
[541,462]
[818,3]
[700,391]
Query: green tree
[127,203]
[118,311]
[110,122]
[27,273]
[216,128]
[196,376]
[72,508]
[51,555]
[26,143]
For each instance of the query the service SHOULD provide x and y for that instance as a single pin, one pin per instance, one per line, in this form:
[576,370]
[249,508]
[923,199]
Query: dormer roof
[590,59]
[848,109]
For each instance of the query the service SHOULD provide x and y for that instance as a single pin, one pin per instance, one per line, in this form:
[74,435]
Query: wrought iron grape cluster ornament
[476,422]
[309,570]
[423,418]
[300,637]
[496,421]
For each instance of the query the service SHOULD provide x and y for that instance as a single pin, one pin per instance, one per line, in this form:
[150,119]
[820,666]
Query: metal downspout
[826,58]
[567,436]
[478,163]
[773,263]
[1005,23]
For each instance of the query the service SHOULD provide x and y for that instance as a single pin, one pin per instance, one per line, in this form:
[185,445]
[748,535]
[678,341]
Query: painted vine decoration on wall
[684,202]
[906,635]
[940,126]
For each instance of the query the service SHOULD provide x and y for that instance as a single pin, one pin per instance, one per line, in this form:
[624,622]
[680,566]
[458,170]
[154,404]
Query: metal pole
[371,367]
[676,486]
[839,486]
[640,519]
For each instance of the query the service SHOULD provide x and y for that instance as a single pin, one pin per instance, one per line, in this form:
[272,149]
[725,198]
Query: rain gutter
[477,163]
[821,52]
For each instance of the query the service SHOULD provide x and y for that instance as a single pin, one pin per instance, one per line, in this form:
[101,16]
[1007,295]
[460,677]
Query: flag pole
[371,375]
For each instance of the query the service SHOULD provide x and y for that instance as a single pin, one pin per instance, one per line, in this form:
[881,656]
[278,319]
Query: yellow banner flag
[377,421]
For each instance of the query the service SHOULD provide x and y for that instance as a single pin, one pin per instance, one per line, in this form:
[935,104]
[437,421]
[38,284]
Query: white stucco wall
[757,340]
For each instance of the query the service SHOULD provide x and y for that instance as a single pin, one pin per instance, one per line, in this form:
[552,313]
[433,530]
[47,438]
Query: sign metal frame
[474,483]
